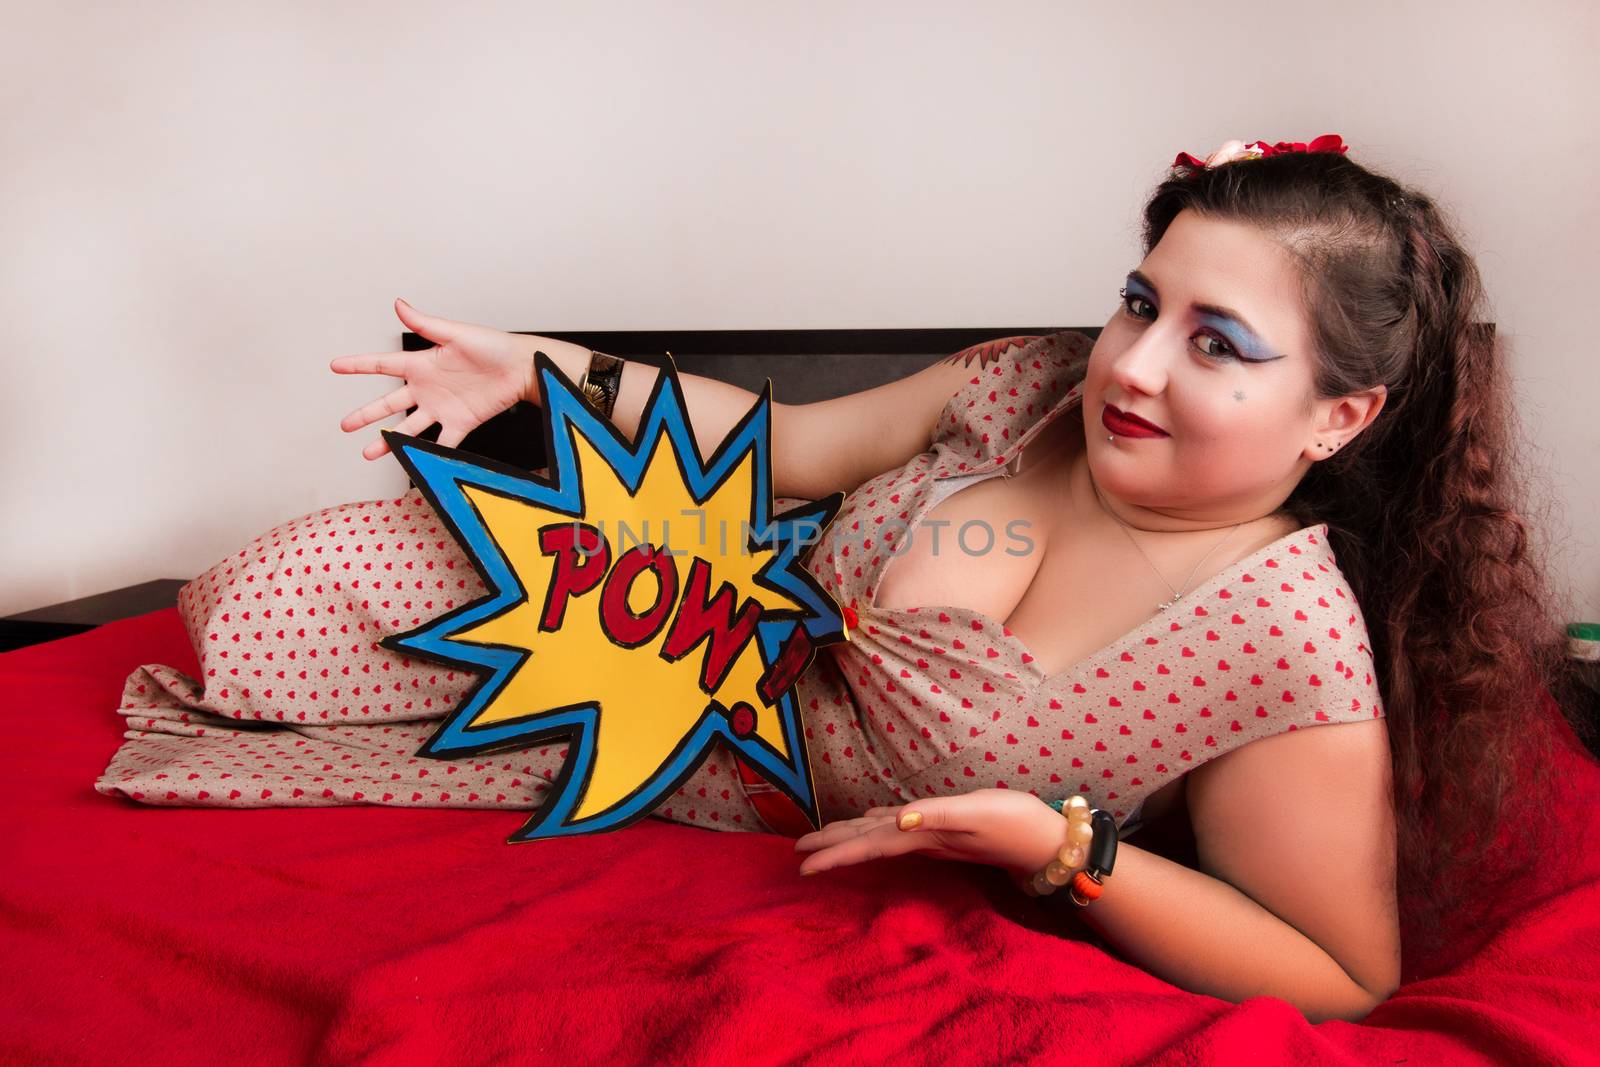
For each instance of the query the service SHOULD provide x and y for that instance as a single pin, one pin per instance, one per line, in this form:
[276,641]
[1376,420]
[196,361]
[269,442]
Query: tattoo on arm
[989,351]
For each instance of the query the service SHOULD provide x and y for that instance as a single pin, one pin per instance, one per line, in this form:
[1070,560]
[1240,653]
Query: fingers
[450,436]
[834,832]
[414,423]
[843,829]
[411,425]
[951,813]
[879,841]
[392,404]
[390,363]
[393,363]
[432,327]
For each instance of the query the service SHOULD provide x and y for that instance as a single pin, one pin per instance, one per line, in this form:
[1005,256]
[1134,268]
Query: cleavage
[989,566]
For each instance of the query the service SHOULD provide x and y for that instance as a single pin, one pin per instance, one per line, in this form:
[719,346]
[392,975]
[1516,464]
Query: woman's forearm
[1204,935]
[713,407]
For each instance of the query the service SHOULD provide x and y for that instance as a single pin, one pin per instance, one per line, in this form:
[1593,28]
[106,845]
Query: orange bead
[1086,888]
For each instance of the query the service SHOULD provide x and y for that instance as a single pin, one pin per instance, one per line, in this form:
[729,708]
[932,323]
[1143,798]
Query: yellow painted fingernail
[911,820]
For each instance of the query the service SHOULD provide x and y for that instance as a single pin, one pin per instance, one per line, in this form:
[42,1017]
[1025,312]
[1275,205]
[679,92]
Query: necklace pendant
[1167,604]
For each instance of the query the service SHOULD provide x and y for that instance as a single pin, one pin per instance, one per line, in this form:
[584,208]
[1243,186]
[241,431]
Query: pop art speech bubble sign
[643,604]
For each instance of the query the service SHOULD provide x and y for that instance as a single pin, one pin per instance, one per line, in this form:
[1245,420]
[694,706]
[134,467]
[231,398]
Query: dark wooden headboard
[804,365]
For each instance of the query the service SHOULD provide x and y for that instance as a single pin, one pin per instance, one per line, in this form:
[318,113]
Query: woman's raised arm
[475,372]
[818,448]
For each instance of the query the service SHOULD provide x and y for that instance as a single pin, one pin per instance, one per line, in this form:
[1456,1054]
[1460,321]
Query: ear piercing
[1330,448]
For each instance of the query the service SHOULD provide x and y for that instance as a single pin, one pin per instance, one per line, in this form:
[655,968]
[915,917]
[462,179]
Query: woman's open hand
[471,375]
[1000,827]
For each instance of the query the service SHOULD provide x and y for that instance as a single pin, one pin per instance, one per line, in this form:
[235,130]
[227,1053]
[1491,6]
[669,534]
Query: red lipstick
[1129,425]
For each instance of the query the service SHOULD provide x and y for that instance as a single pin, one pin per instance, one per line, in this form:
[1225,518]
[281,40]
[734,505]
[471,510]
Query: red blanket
[141,933]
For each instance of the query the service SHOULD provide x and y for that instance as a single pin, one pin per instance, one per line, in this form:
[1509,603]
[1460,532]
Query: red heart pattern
[914,704]
[296,703]
[1008,698]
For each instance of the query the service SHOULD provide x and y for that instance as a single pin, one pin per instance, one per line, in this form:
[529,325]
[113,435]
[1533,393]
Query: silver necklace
[1177,594]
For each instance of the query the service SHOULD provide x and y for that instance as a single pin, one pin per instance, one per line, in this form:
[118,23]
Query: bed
[371,934]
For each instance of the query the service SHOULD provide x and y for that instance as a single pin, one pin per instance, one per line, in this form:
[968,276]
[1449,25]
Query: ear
[1336,421]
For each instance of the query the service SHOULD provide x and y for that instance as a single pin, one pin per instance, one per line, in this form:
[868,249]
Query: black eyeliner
[1246,353]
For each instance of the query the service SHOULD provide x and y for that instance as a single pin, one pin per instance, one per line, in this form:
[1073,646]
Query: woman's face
[1211,344]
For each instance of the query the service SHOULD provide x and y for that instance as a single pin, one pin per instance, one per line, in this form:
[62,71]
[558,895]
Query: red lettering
[583,563]
[787,668]
[616,618]
[576,571]
[712,622]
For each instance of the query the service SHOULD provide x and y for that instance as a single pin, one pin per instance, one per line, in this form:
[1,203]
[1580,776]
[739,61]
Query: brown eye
[1224,353]
[1127,300]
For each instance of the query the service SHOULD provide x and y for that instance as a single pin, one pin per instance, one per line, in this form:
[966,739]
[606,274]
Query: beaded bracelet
[1091,845]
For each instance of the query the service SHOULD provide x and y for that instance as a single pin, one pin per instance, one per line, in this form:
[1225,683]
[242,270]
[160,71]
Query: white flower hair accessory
[1185,165]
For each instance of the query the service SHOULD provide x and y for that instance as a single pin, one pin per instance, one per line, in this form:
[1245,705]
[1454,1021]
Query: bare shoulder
[1302,822]
[1355,752]
[836,445]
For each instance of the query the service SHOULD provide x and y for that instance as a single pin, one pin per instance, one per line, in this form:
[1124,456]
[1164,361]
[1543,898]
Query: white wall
[201,204]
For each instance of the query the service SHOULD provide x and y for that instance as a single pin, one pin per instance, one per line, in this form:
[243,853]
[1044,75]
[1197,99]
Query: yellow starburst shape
[643,605]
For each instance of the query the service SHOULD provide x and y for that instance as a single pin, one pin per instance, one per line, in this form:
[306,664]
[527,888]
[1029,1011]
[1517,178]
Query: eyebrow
[1209,309]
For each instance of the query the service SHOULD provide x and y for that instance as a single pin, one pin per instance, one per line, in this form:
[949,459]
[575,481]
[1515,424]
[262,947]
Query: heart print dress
[295,702]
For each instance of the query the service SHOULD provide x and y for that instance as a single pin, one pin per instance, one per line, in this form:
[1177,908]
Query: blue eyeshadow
[1247,344]
[1138,288]
[1244,341]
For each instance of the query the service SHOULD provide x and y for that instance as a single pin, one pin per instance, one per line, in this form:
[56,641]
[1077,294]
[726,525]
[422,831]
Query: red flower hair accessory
[1186,165]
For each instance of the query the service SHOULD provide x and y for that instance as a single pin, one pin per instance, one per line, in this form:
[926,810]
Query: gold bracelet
[602,380]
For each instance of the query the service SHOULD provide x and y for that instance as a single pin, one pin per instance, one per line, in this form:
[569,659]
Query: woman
[1292,410]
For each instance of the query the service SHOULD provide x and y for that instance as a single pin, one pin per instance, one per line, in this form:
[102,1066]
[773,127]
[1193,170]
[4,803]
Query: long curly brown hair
[1427,514]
